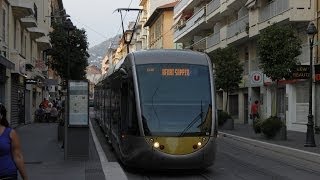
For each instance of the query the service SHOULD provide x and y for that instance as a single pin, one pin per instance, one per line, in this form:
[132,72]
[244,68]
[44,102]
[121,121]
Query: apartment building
[142,31]
[24,39]
[160,27]
[211,24]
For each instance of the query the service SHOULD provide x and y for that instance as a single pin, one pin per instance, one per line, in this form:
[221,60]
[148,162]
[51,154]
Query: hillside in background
[98,52]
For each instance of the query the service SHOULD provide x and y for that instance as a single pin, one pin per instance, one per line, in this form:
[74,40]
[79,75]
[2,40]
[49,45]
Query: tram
[157,109]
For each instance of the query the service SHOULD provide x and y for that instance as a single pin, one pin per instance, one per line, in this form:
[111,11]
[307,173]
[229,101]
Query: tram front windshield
[175,99]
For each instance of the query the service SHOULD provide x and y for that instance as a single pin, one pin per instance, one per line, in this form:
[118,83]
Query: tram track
[281,161]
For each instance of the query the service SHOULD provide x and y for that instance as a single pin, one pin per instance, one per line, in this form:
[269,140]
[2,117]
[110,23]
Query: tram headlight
[199,143]
[156,145]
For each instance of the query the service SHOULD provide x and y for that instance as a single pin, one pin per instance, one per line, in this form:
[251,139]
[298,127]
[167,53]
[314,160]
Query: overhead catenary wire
[124,17]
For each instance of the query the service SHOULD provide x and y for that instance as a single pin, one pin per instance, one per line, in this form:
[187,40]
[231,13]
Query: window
[4,27]
[234,105]
[15,34]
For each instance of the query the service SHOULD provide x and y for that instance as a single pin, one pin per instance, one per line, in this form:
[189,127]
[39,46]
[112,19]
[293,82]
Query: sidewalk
[293,145]
[44,158]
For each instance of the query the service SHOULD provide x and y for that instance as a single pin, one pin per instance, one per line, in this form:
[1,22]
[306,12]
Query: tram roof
[170,56]
[161,56]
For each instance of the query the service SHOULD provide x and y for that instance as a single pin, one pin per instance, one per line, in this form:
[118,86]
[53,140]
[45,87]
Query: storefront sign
[256,78]
[31,81]
[301,72]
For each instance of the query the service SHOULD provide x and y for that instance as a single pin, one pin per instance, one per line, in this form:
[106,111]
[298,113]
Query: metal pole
[310,142]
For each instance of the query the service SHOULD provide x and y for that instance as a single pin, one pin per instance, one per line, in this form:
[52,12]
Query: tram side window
[133,127]
[115,105]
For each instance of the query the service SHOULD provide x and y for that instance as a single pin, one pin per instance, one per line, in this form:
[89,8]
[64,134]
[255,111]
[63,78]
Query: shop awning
[4,61]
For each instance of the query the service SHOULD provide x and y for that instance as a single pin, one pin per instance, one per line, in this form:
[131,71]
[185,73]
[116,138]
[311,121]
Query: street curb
[111,170]
[305,155]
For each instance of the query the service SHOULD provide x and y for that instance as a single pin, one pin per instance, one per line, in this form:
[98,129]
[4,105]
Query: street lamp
[128,38]
[68,26]
[310,142]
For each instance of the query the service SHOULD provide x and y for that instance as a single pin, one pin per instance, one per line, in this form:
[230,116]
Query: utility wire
[102,35]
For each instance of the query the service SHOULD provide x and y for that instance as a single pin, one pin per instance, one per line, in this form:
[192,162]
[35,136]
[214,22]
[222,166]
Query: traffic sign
[256,78]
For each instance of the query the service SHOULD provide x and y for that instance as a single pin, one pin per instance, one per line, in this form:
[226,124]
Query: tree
[77,54]
[278,48]
[228,69]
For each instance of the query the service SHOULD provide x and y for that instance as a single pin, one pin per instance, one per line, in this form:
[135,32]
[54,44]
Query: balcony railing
[238,26]
[199,45]
[274,8]
[212,6]
[213,39]
[180,5]
[191,21]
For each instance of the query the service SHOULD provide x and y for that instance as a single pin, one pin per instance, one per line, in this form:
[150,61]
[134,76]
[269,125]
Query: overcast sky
[98,18]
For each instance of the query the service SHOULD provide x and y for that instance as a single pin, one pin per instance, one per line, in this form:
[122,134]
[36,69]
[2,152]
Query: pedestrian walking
[11,159]
[254,111]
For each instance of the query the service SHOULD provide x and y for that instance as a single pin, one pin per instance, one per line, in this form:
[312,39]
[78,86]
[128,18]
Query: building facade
[24,39]
[160,27]
[142,32]
[211,24]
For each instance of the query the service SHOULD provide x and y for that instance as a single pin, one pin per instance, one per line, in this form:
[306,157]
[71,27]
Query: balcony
[199,45]
[190,24]
[36,32]
[283,11]
[273,9]
[29,21]
[43,43]
[238,30]
[213,40]
[238,26]
[22,8]
[180,6]
[19,61]
[213,6]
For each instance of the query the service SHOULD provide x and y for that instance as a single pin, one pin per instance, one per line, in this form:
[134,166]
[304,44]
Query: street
[235,160]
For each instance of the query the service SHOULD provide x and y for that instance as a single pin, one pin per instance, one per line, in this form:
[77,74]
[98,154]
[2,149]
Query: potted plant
[257,126]
[271,127]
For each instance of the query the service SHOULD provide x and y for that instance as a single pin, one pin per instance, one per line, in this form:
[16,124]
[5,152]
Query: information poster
[78,103]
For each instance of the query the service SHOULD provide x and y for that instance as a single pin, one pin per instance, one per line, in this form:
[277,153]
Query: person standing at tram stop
[11,159]
[255,111]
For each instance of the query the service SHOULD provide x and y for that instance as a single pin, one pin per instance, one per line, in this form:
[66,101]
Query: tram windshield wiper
[199,116]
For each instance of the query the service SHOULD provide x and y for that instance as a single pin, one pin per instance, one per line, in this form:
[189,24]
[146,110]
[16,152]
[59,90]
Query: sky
[98,18]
